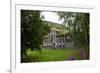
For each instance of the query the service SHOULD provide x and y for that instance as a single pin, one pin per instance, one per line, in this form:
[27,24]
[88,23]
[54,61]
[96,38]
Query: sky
[51,16]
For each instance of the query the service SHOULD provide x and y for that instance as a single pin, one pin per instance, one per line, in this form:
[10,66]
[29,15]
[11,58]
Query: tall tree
[79,27]
[32,31]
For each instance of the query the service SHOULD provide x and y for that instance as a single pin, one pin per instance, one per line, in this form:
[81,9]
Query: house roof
[60,31]
[59,28]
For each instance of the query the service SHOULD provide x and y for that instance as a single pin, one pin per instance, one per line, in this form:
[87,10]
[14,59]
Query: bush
[32,56]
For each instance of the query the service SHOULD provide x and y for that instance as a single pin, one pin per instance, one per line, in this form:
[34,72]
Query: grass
[50,54]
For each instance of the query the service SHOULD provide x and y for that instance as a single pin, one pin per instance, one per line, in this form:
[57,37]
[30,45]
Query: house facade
[55,39]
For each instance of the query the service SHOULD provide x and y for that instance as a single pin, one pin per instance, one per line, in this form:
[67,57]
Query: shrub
[32,56]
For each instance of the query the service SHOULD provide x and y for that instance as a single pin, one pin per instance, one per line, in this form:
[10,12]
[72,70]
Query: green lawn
[50,54]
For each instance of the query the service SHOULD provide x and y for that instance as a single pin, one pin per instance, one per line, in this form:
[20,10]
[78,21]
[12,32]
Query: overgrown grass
[51,54]
[57,54]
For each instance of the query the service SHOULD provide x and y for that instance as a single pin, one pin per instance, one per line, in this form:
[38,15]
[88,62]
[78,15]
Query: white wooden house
[56,39]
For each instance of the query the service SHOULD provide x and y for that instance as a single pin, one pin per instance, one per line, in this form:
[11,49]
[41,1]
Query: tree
[79,27]
[32,31]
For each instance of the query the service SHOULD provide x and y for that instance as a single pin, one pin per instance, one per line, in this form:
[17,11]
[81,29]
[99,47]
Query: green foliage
[82,31]
[78,24]
[33,56]
[32,31]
